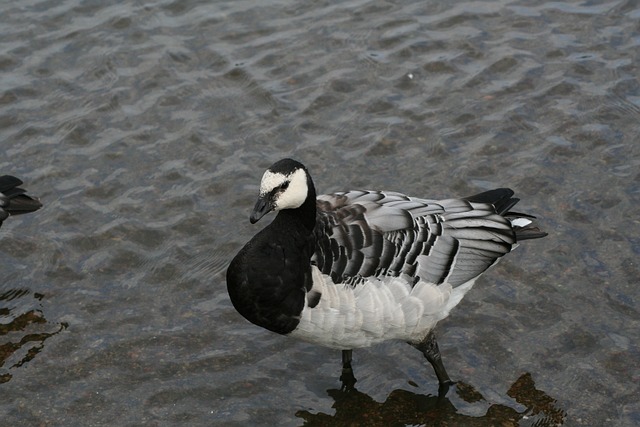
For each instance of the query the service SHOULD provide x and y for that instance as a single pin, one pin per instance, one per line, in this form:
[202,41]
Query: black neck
[305,214]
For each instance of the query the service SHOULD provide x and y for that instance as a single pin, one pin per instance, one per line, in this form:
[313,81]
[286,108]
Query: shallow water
[145,128]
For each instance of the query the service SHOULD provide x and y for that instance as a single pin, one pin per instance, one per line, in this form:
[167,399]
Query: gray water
[145,128]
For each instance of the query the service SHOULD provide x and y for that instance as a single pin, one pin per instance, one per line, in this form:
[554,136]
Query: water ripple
[144,128]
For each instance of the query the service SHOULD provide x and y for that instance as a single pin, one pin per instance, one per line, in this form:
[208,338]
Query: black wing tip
[501,198]
[23,204]
[14,200]
[8,182]
[529,232]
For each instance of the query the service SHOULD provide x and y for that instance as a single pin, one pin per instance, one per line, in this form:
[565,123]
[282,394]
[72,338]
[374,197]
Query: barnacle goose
[352,269]
[14,200]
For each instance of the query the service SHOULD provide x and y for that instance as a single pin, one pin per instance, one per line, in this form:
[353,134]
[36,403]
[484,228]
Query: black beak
[262,207]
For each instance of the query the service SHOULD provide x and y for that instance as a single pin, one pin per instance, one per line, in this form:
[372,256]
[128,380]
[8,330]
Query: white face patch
[271,180]
[290,198]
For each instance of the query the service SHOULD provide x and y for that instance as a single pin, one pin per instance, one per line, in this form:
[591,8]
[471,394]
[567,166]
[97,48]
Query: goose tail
[502,199]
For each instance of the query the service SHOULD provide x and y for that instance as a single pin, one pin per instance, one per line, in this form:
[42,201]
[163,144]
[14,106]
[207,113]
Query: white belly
[383,309]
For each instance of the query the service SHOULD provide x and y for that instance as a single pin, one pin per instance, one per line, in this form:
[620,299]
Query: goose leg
[347,378]
[429,347]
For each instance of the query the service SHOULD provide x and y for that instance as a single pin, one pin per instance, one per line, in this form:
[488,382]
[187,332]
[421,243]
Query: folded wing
[372,233]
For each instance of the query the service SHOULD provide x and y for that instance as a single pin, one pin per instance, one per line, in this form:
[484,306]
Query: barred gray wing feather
[372,233]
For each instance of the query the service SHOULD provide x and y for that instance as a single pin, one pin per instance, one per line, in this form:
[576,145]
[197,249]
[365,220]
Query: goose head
[285,185]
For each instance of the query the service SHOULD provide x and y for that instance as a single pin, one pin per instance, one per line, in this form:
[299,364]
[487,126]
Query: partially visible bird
[352,269]
[14,200]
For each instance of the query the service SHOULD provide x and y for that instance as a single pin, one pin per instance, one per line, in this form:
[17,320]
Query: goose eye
[284,185]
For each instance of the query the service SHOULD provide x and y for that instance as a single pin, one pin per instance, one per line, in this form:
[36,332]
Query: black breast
[269,278]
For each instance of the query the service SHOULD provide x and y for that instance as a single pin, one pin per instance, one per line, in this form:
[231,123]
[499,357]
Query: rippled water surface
[145,128]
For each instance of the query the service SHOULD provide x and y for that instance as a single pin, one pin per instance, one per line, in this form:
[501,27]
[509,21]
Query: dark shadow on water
[22,337]
[403,407]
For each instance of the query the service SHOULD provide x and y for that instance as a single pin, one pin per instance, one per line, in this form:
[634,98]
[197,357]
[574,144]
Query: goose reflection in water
[404,407]
[23,337]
